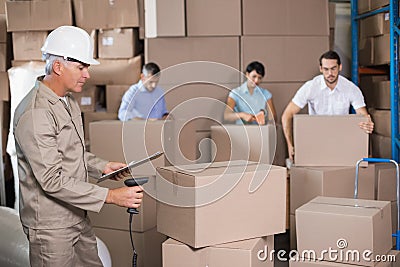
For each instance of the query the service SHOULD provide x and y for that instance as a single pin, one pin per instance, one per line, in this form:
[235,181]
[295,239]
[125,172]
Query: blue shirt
[139,102]
[252,104]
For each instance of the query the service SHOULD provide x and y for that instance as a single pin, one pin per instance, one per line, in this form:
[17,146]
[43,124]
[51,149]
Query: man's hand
[367,126]
[113,166]
[129,197]
[291,152]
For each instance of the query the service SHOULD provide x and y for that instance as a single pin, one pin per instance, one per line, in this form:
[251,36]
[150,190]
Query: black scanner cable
[132,211]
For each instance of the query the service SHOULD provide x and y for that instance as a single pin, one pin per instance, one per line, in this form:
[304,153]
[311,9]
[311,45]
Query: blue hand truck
[379,160]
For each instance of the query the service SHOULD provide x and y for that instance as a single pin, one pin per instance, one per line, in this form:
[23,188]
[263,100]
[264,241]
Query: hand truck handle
[373,160]
[376,160]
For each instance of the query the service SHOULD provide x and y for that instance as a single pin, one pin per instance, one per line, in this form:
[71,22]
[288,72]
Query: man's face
[150,82]
[253,79]
[75,75]
[330,69]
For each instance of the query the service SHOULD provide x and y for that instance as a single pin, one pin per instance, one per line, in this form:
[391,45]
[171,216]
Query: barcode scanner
[135,182]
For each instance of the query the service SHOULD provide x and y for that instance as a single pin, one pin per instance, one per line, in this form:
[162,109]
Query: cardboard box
[38,15]
[285,17]
[321,140]
[115,217]
[382,121]
[141,20]
[116,71]
[288,64]
[366,51]
[147,245]
[164,18]
[332,15]
[4,87]
[89,117]
[118,43]
[244,142]
[132,140]
[382,49]
[381,95]
[376,25]
[375,4]
[3,57]
[307,183]
[3,25]
[347,224]
[187,141]
[87,98]
[196,208]
[364,6]
[224,18]
[386,182]
[368,84]
[2,6]
[190,100]
[114,94]
[381,146]
[202,61]
[27,45]
[105,14]
[235,254]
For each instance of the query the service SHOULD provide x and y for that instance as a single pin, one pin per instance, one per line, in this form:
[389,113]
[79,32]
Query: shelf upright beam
[394,77]
[354,41]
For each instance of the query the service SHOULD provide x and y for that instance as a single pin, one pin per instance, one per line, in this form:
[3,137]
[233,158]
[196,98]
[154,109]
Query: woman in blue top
[250,104]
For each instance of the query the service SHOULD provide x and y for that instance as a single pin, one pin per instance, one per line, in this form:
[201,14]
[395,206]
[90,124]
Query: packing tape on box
[351,206]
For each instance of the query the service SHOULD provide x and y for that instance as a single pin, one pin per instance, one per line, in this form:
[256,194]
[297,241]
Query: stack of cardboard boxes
[344,232]
[220,214]
[124,142]
[114,28]
[327,150]
[5,57]
[234,33]
[374,51]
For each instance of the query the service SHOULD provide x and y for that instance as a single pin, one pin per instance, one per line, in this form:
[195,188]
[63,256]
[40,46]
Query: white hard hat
[71,43]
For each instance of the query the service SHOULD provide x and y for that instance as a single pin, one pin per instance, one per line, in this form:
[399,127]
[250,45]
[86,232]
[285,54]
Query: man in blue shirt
[144,100]
[249,104]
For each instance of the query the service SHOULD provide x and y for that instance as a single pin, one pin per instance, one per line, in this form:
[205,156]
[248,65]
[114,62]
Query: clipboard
[132,164]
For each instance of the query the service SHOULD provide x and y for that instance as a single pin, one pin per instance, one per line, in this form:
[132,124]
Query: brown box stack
[189,221]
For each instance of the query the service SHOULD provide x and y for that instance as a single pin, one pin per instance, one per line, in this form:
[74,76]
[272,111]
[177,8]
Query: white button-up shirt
[322,100]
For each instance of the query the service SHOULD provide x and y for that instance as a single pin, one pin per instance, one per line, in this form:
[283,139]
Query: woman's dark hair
[257,66]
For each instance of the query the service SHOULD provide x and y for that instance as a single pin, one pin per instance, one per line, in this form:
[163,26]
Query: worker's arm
[271,108]
[287,125]
[367,126]
[230,115]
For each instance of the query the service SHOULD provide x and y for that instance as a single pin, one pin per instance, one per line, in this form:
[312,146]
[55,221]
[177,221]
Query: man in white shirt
[326,94]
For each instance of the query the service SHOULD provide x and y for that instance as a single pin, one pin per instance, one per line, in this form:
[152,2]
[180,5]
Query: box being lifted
[322,140]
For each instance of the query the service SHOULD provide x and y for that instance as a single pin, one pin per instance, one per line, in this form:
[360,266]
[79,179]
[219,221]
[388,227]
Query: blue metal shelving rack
[393,9]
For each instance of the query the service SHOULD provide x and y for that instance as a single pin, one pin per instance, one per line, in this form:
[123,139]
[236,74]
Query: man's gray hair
[49,62]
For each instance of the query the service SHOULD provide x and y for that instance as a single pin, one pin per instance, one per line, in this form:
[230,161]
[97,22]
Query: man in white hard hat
[53,164]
